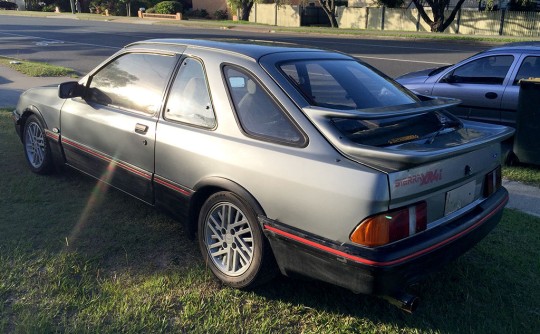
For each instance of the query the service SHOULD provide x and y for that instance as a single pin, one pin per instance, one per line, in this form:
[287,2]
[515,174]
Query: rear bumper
[388,269]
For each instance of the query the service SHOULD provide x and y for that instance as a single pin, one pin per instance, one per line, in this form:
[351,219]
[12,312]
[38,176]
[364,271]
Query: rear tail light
[492,183]
[391,226]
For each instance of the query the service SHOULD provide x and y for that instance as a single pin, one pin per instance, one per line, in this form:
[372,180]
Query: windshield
[344,84]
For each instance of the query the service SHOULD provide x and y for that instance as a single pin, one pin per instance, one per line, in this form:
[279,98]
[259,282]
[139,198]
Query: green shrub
[221,14]
[48,8]
[197,13]
[168,7]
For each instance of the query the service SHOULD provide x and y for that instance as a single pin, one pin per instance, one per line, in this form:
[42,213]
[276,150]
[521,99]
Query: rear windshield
[344,84]
[350,85]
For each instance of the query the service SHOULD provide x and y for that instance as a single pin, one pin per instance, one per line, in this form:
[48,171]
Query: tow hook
[404,301]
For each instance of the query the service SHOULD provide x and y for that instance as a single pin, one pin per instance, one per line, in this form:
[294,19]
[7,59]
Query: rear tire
[232,242]
[511,159]
[36,146]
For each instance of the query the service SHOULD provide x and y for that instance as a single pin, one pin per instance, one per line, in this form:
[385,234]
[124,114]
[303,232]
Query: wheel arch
[29,111]
[54,144]
[211,185]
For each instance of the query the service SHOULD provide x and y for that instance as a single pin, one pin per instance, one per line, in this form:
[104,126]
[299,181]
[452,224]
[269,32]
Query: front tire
[36,147]
[232,242]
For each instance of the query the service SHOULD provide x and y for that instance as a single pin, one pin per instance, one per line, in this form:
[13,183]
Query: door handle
[141,128]
[491,95]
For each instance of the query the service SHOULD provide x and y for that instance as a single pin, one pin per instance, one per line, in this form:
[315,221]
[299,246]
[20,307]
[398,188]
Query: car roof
[250,48]
[518,46]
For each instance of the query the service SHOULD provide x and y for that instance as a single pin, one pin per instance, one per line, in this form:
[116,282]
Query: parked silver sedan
[487,83]
[279,159]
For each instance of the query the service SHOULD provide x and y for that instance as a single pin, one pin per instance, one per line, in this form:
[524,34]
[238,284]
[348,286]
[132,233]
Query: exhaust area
[404,301]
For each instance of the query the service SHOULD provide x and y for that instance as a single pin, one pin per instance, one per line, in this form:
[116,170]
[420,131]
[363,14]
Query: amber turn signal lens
[391,226]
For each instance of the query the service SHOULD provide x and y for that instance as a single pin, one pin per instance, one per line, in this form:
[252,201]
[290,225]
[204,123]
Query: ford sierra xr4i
[279,159]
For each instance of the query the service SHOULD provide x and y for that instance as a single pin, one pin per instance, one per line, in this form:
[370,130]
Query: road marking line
[381,45]
[61,41]
[402,60]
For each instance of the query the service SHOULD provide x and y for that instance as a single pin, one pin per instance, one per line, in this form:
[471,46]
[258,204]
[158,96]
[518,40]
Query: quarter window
[530,68]
[258,113]
[189,99]
[487,70]
[134,81]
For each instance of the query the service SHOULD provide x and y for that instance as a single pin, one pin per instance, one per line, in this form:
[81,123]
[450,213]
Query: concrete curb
[523,197]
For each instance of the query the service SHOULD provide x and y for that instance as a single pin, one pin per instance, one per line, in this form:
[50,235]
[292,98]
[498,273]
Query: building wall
[210,5]
[20,3]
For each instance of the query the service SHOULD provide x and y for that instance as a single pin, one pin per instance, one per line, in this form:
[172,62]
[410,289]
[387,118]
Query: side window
[487,70]
[134,81]
[530,68]
[189,99]
[258,113]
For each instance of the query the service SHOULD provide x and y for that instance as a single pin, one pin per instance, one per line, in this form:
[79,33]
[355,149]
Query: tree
[438,23]
[329,7]
[244,6]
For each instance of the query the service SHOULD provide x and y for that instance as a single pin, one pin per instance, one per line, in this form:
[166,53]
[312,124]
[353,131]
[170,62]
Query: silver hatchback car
[279,159]
[487,83]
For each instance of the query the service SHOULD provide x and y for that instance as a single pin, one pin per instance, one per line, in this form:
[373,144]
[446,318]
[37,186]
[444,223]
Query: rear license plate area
[459,197]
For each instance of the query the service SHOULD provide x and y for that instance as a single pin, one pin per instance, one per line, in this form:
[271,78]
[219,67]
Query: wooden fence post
[367,17]
[501,27]
[382,17]
[458,23]
[275,13]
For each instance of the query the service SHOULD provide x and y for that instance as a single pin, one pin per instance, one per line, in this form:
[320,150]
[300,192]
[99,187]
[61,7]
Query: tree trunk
[452,16]
[438,19]
[329,7]
[438,24]
[245,10]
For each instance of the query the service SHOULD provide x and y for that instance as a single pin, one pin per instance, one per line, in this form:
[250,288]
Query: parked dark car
[486,83]
[8,5]
[299,160]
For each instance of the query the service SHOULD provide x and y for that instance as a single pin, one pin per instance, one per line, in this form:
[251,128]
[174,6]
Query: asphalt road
[82,45]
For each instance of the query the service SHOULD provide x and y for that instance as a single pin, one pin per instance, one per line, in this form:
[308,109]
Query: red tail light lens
[492,182]
[391,226]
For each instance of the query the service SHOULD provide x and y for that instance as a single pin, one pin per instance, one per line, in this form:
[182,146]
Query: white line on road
[391,46]
[402,60]
[61,41]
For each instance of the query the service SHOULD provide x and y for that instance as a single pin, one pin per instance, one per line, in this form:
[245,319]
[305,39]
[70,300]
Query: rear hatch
[428,154]
[402,137]
[434,161]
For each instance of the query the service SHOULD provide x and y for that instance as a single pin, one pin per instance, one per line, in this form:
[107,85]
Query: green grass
[37,69]
[525,174]
[125,268]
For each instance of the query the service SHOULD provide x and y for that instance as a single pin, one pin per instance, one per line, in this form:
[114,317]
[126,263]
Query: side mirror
[70,89]
[451,78]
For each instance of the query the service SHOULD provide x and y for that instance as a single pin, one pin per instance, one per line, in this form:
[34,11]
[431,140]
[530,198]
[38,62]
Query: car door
[528,67]
[183,142]
[479,84]
[110,133]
